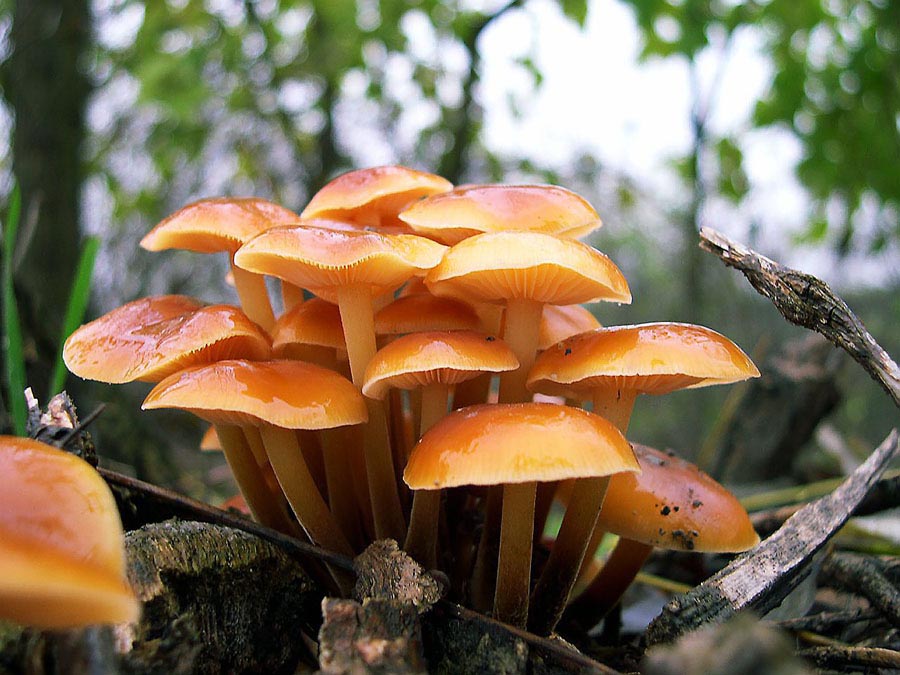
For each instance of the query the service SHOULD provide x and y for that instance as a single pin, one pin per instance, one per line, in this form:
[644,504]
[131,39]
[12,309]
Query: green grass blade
[75,309]
[14,359]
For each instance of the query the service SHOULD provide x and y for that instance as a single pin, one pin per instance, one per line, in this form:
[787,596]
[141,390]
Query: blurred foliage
[836,86]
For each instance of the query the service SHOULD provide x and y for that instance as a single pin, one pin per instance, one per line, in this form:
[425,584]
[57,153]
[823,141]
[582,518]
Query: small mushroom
[671,504]
[374,196]
[221,225]
[452,216]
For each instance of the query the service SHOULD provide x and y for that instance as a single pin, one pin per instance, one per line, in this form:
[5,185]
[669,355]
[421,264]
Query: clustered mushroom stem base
[610,584]
[251,290]
[338,478]
[421,539]
[357,318]
[558,577]
[514,558]
[304,497]
[522,334]
[267,508]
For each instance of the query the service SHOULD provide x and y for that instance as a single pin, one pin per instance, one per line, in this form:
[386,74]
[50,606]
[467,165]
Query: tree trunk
[47,89]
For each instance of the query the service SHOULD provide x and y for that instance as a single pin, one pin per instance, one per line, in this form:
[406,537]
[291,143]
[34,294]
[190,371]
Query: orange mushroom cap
[425,312]
[62,558]
[150,338]
[315,322]
[374,196]
[496,266]
[288,394]
[216,225]
[673,504]
[516,443]
[559,322]
[315,258]
[655,358]
[469,210]
[446,357]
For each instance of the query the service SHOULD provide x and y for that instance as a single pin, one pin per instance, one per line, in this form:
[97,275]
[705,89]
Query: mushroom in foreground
[515,445]
[62,554]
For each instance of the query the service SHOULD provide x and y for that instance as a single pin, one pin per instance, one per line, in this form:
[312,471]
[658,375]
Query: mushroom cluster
[403,389]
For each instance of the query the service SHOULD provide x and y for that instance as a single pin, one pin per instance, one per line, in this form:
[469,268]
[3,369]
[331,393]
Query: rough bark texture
[760,579]
[809,302]
[219,599]
[387,573]
[375,636]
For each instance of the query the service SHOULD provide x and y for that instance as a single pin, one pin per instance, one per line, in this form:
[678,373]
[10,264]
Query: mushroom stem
[483,573]
[300,489]
[615,405]
[589,566]
[514,558]
[607,588]
[267,508]
[472,392]
[421,539]
[355,304]
[251,290]
[338,476]
[542,505]
[254,440]
[521,333]
[555,584]
[291,295]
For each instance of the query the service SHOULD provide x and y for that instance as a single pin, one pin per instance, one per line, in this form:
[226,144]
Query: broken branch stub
[807,301]
[761,578]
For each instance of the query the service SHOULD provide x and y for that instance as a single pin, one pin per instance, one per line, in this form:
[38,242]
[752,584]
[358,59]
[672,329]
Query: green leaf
[75,308]
[576,10]
[14,358]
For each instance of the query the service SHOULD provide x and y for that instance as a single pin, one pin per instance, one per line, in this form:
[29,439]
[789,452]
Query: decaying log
[218,599]
[385,572]
[853,658]
[761,578]
[807,301]
[374,636]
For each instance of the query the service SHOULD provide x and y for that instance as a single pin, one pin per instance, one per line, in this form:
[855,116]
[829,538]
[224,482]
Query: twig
[826,621]
[860,658]
[859,575]
[807,301]
[884,495]
[760,579]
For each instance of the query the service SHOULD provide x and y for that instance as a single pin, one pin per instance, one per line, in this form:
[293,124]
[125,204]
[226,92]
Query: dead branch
[807,301]
[859,575]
